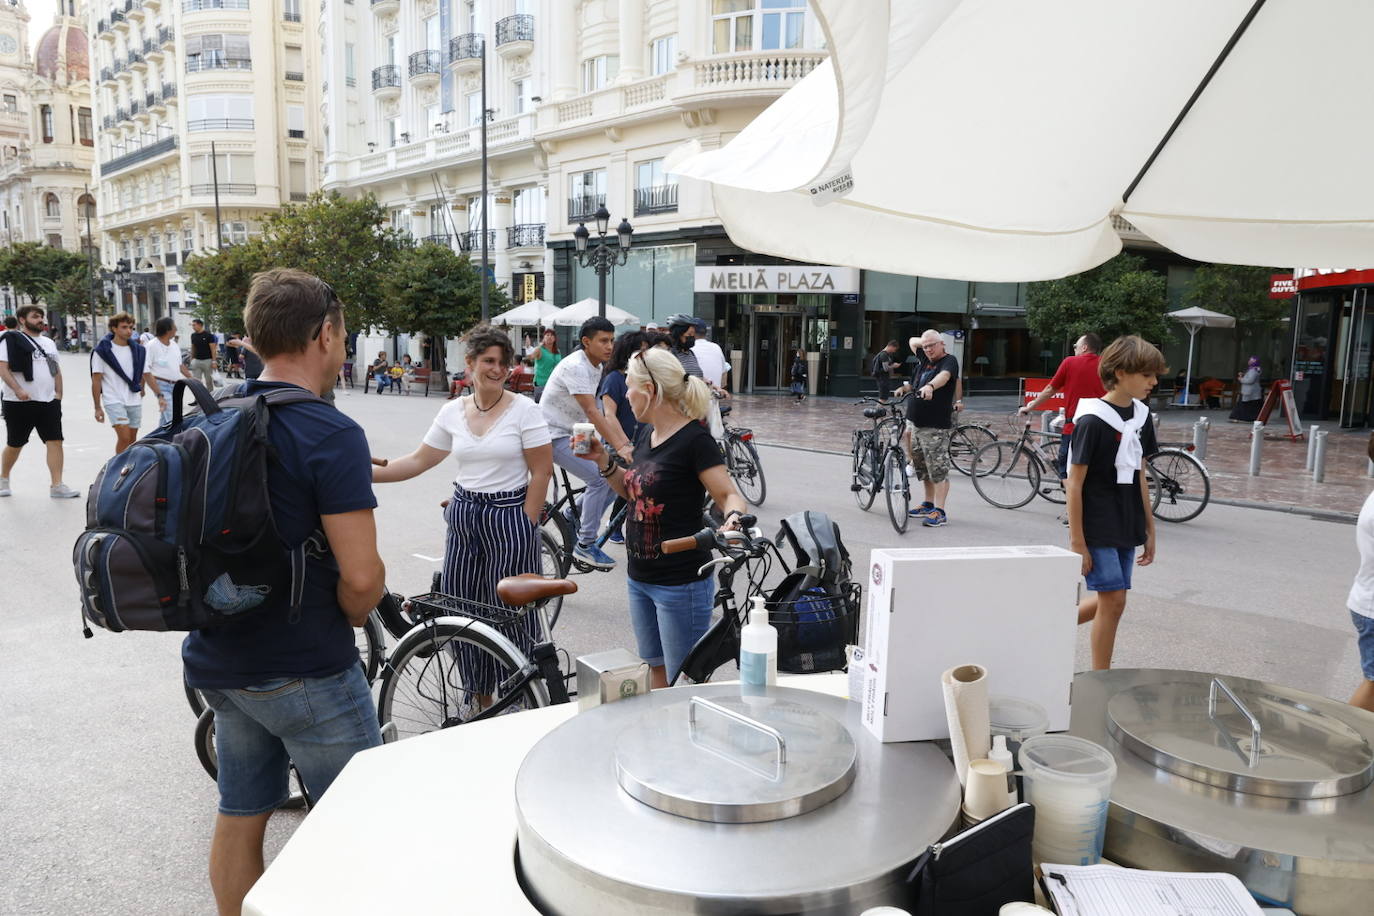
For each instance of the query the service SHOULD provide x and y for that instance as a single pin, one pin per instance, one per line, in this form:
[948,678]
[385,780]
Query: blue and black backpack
[179,528]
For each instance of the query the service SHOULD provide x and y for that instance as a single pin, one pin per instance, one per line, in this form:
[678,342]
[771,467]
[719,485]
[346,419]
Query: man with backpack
[884,363]
[284,681]
[32,398]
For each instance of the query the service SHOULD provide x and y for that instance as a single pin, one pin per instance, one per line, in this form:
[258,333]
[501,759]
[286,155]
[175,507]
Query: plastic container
[1017,719]
[758,648]
[1069,780]
[1000,754]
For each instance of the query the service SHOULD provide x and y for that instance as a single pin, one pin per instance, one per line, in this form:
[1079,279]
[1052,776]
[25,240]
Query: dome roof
[68,36]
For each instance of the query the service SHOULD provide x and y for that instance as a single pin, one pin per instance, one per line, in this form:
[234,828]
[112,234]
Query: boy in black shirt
[1108,496]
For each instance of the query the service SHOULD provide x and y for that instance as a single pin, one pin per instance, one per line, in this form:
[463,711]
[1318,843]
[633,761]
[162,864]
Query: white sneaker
[4,486]
[62,491]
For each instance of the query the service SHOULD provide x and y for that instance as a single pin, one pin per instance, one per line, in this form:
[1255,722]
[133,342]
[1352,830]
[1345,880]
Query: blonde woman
[676,463]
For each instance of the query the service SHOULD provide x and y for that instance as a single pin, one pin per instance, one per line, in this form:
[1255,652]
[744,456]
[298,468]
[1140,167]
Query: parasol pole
[1188,379]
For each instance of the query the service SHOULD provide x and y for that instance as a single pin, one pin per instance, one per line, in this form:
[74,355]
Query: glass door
[766,356]
[1356,338]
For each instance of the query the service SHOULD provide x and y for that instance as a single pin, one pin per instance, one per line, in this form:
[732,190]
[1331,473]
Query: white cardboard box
[1010,609]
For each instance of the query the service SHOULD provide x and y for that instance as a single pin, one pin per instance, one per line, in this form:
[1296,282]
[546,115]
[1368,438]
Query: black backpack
[815,608]
[179,527]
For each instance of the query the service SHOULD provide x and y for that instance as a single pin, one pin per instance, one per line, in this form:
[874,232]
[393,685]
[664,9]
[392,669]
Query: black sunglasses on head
[332,297]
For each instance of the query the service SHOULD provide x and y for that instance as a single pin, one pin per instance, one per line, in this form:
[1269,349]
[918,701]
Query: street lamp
[603,256]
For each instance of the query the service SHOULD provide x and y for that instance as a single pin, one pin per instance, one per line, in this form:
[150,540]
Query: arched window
[51,205]
[85,206]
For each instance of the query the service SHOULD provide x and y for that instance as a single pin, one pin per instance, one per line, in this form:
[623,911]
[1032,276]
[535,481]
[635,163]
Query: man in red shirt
[1077,377]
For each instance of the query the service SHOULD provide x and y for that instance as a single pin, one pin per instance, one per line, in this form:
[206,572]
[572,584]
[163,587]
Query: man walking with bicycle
[929,420]
[285,684]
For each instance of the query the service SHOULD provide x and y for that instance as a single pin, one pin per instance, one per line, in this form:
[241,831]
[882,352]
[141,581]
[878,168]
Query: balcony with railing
[134,10]
[385,7]
[136,108]
[142,154]
[472,240]
[291,16]
[295,133]
[515,35]
[166,37]
[137,61]
[442,239]
[152,6]
[103,30]
[152,50]
[386,80]
[220,124]
[700,84]
[198,63]
[525,235]
[169,92]
[196,6]
[659,199]
[297,197]
[583,207]
[108,122]
[107,75]
[426,67]
[122,114]
[230,188]
[117,20]
[149,99]
[465,52]
[293,76]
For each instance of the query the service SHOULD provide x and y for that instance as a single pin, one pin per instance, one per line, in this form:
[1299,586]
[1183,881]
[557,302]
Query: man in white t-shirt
[119,375]
[32,398]
[164,363]
[570,397]
[711,359]
[1361,599]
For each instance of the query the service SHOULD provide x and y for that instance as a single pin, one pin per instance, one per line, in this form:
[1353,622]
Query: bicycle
[878,462]
[1180,486]
[565,515]
[1009,474]
[742,460]
[965,440]
[815,627]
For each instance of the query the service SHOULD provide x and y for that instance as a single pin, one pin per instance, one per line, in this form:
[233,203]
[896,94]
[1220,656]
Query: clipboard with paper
[1107,890]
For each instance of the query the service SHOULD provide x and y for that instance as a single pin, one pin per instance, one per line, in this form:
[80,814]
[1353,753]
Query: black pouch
[975,872]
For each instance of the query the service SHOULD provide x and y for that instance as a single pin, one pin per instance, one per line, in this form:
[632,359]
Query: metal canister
[616,674]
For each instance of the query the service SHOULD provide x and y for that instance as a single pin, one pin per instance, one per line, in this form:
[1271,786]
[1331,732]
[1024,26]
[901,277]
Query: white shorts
[130,415]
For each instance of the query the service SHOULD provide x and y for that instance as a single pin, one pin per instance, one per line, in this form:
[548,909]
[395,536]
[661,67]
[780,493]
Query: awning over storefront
[984,140]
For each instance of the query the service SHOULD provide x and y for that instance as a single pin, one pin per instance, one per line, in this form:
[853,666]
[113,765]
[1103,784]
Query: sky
[40,17]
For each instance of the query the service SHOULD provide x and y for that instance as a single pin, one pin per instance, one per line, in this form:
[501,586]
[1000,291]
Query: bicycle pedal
[855,487]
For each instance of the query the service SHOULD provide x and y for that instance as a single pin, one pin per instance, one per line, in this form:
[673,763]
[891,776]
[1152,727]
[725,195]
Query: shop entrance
[773,338]
[1351,389]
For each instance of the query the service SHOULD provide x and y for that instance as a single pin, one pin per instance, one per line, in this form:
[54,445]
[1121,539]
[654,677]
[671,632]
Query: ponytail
[661,368]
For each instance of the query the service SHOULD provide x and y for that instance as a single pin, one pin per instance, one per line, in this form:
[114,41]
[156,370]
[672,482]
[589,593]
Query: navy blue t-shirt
[324,469]
[613,385]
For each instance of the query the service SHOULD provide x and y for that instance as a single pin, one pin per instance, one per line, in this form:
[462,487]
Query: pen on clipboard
[1064,883]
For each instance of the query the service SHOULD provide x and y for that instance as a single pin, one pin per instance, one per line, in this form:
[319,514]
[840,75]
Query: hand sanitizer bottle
[1002,754]
[758,648]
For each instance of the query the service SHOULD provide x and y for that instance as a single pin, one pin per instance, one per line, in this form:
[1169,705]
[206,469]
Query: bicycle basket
[814,627]
[437,604]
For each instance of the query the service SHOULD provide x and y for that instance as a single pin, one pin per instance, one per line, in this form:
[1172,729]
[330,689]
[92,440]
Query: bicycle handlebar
[710,538]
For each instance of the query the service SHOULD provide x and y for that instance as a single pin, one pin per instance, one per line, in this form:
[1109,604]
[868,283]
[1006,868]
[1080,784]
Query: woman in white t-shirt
[505,461]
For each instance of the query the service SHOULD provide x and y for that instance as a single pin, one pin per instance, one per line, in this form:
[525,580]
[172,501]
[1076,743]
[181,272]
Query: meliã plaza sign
[776,278]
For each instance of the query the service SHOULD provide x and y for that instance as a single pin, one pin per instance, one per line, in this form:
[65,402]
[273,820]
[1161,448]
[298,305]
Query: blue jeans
[318,724]
[669,619]
[598,495]
[1364,630]
[1111,570]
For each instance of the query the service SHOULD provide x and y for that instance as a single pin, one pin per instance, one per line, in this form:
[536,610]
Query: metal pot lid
[735,760]
[1243,735]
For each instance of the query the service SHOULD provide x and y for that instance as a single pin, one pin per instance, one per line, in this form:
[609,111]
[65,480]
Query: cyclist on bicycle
[676,465]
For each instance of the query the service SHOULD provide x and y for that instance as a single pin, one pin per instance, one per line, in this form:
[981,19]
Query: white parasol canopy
[527,314]
[1195,319]
[999,141]
[579,312]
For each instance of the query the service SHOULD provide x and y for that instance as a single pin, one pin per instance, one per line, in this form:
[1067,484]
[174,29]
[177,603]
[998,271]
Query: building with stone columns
[209,120]
[47,135]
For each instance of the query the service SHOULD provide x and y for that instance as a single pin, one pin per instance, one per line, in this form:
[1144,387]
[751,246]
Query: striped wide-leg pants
[489,538]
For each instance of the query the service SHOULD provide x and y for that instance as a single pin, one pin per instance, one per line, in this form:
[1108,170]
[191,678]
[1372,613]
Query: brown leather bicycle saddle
[518,591]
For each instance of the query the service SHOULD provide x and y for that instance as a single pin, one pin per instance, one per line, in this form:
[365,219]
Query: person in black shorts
[32,398]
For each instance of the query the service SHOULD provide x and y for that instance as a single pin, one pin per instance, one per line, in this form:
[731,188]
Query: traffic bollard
[1200,429]
[1319,458]
[1311,444]
[1256,443]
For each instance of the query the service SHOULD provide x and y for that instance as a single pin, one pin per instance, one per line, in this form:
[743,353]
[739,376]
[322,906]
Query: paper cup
[581,441]
[986,791]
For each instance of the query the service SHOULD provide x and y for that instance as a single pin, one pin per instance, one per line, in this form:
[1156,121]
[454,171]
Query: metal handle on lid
[739,717]
[1254,722]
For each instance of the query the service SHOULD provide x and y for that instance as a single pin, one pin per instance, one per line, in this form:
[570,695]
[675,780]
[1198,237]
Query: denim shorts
[1364,627]
[318,724]
[669,619]
[130,415]
[1111,570]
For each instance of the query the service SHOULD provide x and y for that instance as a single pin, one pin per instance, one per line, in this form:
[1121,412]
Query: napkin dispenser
[604,677]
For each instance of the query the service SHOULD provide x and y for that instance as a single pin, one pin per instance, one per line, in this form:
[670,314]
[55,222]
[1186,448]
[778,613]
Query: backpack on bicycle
[815,608]
[179,528]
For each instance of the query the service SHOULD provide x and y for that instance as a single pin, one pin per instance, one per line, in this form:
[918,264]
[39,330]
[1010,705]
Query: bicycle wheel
[551,560]
[562,538]
[1181,487]
[209,760]
[865,469]
[964,442]
[747,470]
[1051,487]
[897,489]
[1005,474]
[447,671]
[371,646]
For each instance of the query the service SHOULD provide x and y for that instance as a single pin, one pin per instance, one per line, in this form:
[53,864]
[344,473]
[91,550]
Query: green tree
[1115,298]
[432,291]
[220,281]
[1241,292]
[45,274]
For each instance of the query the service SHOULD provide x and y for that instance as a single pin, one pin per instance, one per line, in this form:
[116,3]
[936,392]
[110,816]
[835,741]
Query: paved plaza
[106,809]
